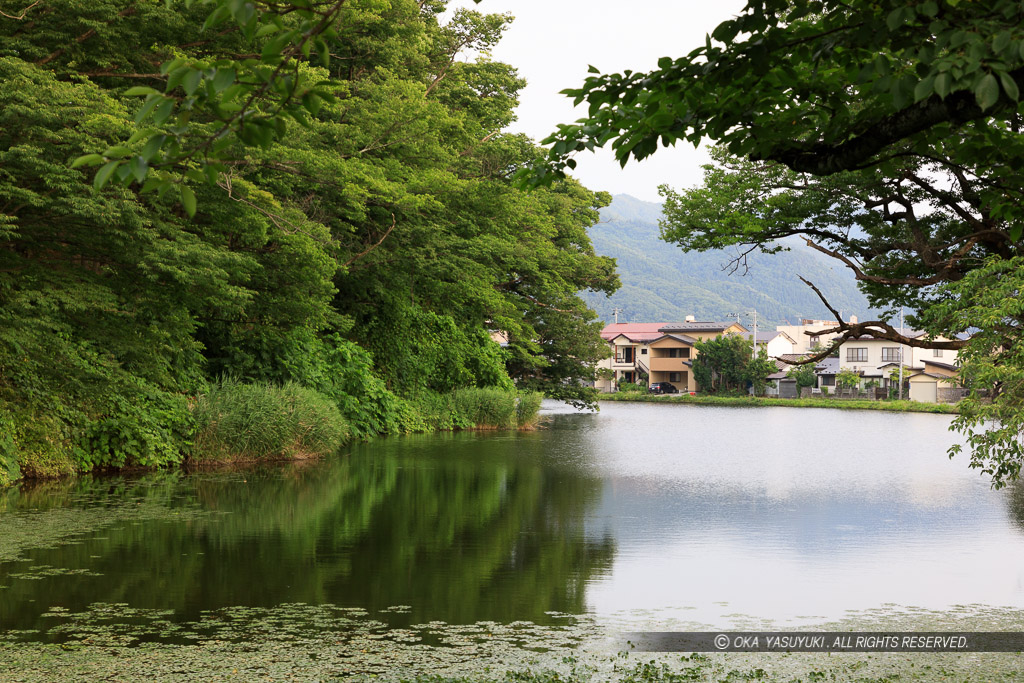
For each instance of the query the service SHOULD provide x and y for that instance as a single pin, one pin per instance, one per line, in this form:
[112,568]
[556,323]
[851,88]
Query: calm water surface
[702,515]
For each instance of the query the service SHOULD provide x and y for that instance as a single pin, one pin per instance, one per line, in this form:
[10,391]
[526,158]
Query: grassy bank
[237,422]
[839,404]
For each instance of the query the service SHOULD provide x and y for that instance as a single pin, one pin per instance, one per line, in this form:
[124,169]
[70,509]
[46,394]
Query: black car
[663,388]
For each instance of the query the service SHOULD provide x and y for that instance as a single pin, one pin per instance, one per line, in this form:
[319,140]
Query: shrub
[528,407]
[261,421]
[635,387]
[485,408]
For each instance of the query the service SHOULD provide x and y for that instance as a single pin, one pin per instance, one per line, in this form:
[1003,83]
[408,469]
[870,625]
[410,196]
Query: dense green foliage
[238,422]
[887,134]
[727,363]
[365,254]
[990,303]
[803,374]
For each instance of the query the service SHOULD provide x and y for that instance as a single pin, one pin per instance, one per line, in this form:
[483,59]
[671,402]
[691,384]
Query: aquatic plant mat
[303,642]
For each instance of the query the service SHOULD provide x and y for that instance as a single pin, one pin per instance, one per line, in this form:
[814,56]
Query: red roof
[635,331]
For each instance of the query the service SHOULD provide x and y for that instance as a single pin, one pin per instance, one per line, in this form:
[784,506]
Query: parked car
[663,388]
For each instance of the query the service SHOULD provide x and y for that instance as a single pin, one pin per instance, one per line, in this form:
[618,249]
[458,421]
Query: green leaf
[164,111]
[188,199]
[987,91]
[152,147]
[191,81]
[140,90]
[1009,86]
[223,79]
[87,160]
[147,108]
[895,19]
[1001,41]
[138,167]
[924,89]
[942,84]
[103,175]
[117,152]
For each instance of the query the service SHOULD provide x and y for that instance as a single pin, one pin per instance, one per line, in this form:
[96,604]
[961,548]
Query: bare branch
[23,12]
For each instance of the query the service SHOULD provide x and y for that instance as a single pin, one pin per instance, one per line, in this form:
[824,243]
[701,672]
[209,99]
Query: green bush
[239,422]
[633,387]
[528,407]
[475,408]
[9,470]
[489,408]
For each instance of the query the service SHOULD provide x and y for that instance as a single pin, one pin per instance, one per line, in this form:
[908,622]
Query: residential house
[875,359]
[776,343]
[802,342]
[662,351]
[630,352]
[937,382]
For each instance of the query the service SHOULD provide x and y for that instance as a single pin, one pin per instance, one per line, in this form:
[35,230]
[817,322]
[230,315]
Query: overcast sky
[552,42]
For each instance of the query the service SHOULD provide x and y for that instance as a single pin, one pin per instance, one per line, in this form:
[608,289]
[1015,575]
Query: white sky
[552,42]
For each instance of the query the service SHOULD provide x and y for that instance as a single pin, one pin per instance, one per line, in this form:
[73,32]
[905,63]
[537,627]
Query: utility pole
[616,311]
[754,352]
[901,354]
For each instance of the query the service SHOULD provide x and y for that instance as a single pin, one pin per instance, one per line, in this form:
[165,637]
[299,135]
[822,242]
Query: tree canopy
[885,133]
[317,192]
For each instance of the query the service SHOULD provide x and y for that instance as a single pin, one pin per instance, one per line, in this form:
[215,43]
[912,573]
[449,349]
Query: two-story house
[672,354]
[874,359]
[661,351]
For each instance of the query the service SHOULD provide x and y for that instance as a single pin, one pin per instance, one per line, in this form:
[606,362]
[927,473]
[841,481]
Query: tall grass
[476,408]
[239,422]
[528,408]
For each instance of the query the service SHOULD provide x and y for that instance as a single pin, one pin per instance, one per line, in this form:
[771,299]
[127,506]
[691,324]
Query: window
[675,377]
[890,354]
[857,355]
[684,353]
[643,352]
[828,380]
[937,353]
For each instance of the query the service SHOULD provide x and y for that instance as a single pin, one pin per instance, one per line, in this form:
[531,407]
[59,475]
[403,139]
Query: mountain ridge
[662,283]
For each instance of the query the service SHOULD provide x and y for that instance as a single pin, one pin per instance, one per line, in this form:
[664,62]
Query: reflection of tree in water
[1015,503]
[459,536]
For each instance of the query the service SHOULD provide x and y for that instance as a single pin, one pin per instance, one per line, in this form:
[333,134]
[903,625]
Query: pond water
[639,514]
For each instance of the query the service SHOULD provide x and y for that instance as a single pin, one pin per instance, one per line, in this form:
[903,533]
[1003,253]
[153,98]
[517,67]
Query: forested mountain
[661,283]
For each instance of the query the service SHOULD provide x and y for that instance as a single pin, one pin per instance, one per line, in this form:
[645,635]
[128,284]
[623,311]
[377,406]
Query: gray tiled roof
[698,327]
[827,366]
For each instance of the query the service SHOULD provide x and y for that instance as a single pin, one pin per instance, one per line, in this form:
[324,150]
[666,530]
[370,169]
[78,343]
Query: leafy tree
[364,251]
[804,375]
[885,133]
[720,364]
[848,379]
[989,304]
[758,369]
